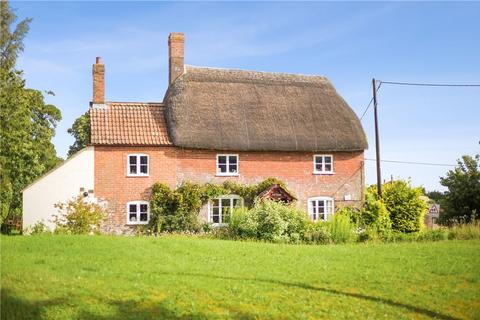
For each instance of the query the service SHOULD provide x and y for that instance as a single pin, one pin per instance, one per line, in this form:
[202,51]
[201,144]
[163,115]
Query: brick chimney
[98,72]
[176,41]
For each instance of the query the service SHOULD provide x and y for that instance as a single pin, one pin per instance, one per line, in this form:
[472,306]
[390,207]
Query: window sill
[217,225]
[136,223]
[319,173]
[138,175]
[227,175]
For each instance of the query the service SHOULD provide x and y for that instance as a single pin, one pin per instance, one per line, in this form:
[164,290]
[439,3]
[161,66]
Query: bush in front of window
[317,233]
[243,224]
[177,210]
[77,216]
[269,221]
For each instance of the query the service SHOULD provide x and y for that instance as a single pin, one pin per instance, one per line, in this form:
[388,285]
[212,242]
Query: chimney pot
[176,43]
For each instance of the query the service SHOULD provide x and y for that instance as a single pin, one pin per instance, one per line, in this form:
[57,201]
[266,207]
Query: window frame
[326,214]
[227,174]
[231,197]
[138,165]
[323,171]
[137,203]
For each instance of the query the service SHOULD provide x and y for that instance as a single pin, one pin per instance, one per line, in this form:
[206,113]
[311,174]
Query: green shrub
[39,228]
[404,205]
[268,221]
[243,224]
[163,204]
[177,210]
[371,233]
[317,233]
[78,216]
[342,229]
[432,235]
[374,212]
[353,213]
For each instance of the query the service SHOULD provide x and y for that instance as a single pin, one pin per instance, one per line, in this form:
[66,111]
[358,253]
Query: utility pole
[377,139]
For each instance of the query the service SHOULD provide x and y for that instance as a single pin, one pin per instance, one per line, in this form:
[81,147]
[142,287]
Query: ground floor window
[138,212]
[320,208]
[220,209]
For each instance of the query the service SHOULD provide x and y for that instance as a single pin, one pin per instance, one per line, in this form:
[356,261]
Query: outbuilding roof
[225,109]
[129,123]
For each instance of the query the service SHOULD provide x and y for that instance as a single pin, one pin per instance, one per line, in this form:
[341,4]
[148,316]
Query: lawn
[106,277]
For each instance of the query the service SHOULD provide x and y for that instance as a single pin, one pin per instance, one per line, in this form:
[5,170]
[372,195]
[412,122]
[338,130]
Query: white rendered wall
[58,185]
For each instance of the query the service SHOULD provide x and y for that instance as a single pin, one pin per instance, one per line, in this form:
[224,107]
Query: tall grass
[341,228]
[465,231]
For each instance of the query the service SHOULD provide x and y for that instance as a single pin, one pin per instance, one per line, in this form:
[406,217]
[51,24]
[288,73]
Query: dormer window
[137,165]
[227,165]
[322,164]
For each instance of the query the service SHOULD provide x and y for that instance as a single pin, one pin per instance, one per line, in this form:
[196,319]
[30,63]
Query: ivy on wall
[177,210]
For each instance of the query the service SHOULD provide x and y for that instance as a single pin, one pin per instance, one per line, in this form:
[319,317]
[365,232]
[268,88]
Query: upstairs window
[137,165]
[138,212]
[220,209]
[322,164]
[227,164]
[320,208]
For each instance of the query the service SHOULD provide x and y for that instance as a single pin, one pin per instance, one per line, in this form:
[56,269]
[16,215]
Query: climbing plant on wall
[177,210]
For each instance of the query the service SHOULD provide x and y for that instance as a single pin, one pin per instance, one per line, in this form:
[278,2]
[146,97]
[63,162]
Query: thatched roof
[129,123]
[224,109]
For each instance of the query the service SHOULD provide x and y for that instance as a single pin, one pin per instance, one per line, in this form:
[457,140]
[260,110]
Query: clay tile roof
[226,109]
[129,123]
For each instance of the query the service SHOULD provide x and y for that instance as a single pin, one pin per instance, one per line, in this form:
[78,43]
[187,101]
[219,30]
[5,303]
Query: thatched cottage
[213,125]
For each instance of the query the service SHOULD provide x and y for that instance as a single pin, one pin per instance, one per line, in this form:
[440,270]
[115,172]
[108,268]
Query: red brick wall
[113,185]
[172,166]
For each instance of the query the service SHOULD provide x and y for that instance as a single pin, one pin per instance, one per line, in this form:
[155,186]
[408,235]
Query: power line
[366,109]
[415,84]
[414,162]
[370,103]
[429,84]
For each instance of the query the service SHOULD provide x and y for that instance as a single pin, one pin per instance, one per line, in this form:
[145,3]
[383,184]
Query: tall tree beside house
[80,130]
[28,123]
[462,200]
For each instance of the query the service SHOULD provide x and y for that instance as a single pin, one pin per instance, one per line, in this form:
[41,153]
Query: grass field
[101,277]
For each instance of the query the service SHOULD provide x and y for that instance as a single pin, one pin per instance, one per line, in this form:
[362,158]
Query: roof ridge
[271,73]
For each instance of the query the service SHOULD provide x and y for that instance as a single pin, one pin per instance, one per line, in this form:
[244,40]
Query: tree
[436,196]
[462,200]
[28,123]
[80,130]
[11,43]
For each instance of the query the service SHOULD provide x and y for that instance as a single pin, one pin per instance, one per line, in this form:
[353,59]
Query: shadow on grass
[419,310]
[16,308]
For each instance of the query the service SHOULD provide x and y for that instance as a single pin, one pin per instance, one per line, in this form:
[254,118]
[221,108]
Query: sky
[350,43]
